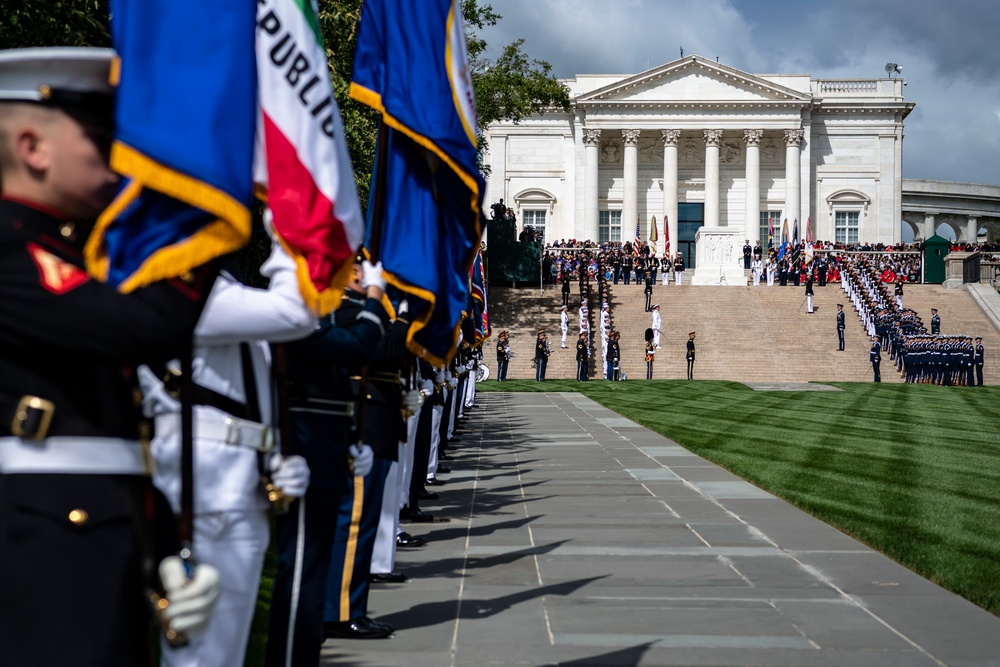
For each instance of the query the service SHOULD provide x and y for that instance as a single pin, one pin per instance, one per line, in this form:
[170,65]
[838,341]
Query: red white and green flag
[302,158]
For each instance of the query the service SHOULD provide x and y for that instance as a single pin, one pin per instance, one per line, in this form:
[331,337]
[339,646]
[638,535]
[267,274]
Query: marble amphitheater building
[720,154]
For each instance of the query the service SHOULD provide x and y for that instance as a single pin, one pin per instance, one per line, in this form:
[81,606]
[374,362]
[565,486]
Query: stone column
[929,225]
[591,142]
[793,198]
[752,139]
[670,141]
[630,186]
[972,229]
[712,140]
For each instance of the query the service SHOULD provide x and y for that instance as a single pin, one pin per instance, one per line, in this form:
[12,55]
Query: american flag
[638,236]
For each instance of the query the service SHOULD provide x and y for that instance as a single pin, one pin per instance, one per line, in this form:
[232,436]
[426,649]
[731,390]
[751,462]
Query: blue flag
[185,122]
[411,65]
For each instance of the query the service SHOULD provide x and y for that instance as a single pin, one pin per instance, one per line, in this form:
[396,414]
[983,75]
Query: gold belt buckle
[32,418]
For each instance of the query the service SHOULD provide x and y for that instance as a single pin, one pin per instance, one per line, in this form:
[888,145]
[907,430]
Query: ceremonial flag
[809,241]
[302,155]
[638,237]
[411,65]
[770,232]
[784,241]
[666,237]
[654,234]
[185,117]
[795,233]
[480,310]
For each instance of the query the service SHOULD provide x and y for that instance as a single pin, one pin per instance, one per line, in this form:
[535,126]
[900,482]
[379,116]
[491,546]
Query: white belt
[74,455]
[229,430]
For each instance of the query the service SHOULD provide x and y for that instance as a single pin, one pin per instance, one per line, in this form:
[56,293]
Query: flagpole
[378,197]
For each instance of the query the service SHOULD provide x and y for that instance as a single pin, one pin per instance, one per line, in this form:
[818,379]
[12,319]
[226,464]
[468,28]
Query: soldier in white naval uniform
[230,523]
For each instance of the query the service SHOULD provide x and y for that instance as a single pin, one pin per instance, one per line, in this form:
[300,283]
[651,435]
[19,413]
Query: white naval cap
[75,79]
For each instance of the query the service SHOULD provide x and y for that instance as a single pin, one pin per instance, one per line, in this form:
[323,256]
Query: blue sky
[949,51]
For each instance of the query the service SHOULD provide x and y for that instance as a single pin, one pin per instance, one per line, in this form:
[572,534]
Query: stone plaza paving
[569,535]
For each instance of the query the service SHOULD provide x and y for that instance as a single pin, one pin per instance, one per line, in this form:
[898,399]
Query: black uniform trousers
[304,539]
[95,569]
[422,451]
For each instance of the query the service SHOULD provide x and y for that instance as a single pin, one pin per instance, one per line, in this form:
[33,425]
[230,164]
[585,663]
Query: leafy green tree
[54,23]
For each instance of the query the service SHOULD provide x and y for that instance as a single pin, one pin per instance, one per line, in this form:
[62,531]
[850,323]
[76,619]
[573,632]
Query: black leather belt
[36,418]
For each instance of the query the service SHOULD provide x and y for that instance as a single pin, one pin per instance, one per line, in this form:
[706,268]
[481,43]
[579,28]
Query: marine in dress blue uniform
[979,360]
[81,526]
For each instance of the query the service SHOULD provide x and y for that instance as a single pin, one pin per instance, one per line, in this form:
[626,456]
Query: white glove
[155,399]
[403,309]
[372,275]
[439,376]
[427,387]
[469,365]
[364,459]
[191,600]
[290,474]
[453,382]
[413,400]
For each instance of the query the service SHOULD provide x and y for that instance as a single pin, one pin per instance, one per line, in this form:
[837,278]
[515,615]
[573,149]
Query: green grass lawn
[911,470]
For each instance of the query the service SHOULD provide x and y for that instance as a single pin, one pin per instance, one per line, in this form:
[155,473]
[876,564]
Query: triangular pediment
[693,80]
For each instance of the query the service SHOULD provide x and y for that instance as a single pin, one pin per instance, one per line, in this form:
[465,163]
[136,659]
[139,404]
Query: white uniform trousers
[756,277]
[770,277]
[407,459]
[432,462]
[234,543]
[452,414]
[677,276]
[470,390]
[666,277]
[384,550]
[656,338]
[565,331]
[458,403]
[809,303]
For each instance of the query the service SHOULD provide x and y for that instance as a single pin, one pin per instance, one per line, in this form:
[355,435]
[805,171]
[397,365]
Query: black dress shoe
[444,470]
[445,456]
[394,577]
[406,540]
[434,481]
[417,516]
[424,494]
[357,628]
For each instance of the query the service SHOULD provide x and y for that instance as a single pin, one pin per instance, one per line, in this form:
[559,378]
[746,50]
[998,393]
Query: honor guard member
[654,266]
[234,447]
[614,356]
[503,355]
[809,292]
[747,252]
[770,269]
[582,354]
[433,385]
[875,356]
[899,293]
[627,267]
[648,290]
[346,612]
[657,325]
[756,269]
[321,420]
[935,322]
[841,325]
[541,355]
[650,354]
[565,288]
[690,356]
[678,268]
[564,324]
[82,529]
[979,360]
[616,266]
[757,251]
